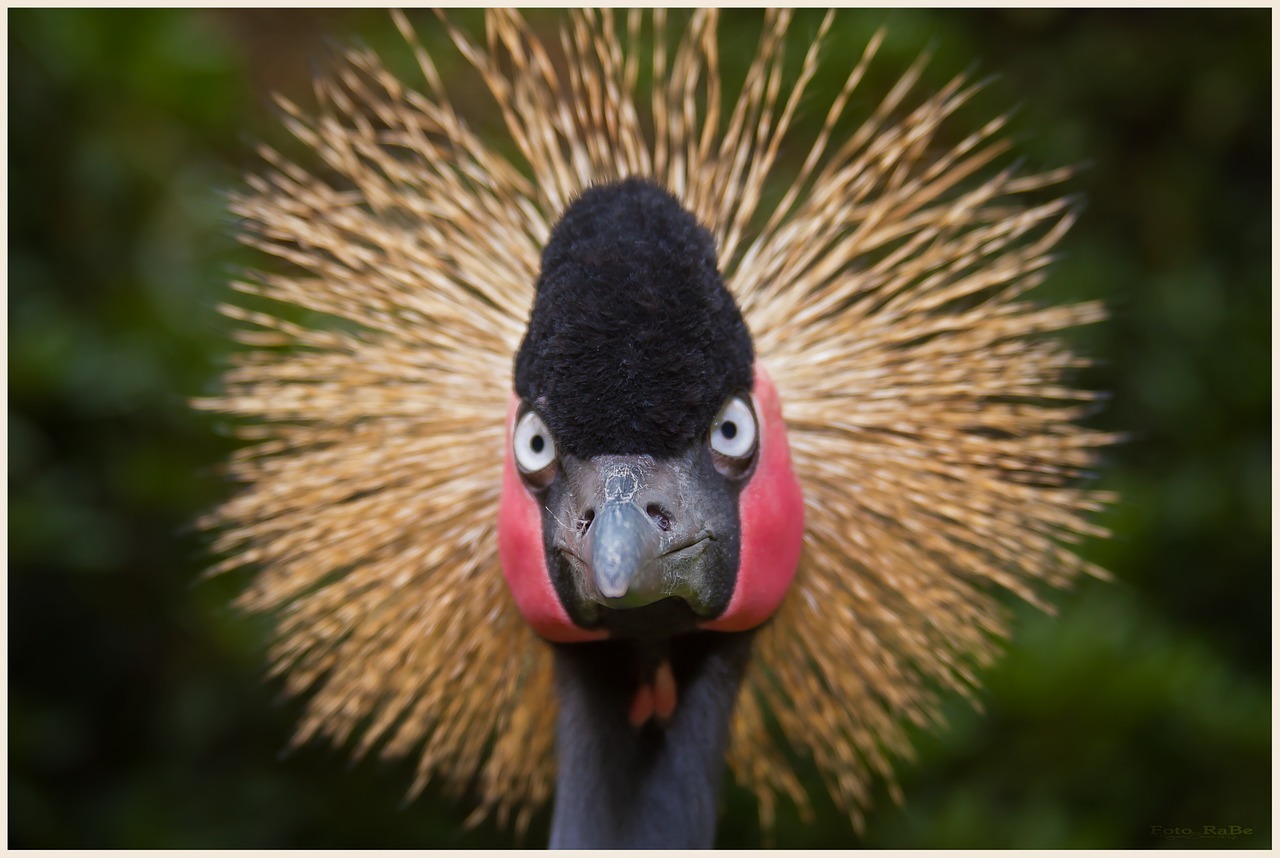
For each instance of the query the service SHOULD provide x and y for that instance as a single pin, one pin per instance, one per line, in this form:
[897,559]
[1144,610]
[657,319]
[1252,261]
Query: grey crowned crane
[775,440]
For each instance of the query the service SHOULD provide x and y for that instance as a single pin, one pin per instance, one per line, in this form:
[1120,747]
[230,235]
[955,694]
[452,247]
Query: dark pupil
[536,443]
[729,429]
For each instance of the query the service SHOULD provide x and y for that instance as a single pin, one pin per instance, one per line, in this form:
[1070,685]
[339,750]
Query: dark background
[137,715]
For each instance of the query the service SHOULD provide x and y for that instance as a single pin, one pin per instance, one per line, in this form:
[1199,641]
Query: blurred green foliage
[137,715]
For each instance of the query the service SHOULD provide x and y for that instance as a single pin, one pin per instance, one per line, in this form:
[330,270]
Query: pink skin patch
[524,558]
[771,518]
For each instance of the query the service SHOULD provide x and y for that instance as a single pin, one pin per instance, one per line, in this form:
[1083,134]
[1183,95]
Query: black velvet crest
[634,342]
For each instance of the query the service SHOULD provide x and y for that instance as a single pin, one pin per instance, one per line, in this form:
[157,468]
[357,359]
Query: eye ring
[733,437]
[534,448]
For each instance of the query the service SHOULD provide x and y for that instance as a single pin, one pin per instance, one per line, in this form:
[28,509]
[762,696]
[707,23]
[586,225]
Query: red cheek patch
[771,518]
[524,558]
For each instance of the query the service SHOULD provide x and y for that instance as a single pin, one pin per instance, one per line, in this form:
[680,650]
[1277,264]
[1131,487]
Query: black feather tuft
[634,342]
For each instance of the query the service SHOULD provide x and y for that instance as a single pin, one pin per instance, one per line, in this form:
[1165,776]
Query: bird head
[648,488]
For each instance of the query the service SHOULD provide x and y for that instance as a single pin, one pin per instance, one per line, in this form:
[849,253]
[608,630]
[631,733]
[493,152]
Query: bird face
[647,485]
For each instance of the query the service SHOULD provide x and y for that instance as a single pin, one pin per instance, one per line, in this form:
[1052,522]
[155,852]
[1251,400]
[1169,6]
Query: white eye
[534,448]
[733,433]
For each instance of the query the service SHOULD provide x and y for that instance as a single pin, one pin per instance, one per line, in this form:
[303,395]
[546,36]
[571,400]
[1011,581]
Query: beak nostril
[584,523]
[660,516]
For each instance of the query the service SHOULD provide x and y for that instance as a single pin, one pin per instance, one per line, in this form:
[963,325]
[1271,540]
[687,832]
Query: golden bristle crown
[927,401]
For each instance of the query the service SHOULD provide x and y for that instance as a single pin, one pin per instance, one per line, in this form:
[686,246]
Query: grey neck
[620,787]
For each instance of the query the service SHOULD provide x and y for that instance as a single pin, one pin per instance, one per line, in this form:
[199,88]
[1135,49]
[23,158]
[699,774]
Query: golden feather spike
[930,419]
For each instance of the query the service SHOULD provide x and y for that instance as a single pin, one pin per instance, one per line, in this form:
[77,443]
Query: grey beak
[623,544]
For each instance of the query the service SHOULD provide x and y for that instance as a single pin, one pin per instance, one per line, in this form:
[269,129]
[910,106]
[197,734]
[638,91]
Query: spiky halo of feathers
[929,417]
